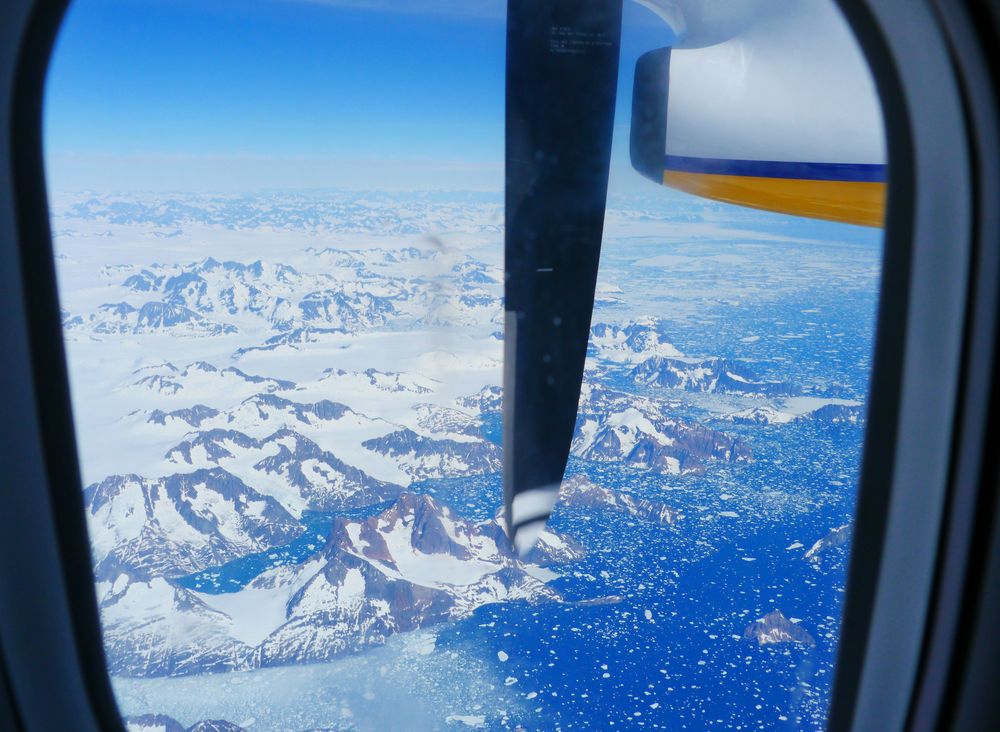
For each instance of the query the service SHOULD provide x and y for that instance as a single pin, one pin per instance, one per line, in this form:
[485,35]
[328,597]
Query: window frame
[50,632]
[937,298]
[916,375]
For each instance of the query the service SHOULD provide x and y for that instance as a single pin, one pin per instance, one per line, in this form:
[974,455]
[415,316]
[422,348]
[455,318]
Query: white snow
[469,720]
[255,613]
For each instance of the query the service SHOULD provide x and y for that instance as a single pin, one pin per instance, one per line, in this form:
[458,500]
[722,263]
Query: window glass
[279,238]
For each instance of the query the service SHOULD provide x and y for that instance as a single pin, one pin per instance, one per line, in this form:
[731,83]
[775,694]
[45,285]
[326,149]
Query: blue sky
[246,94]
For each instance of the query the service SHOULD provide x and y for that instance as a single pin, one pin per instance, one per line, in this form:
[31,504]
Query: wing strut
[562,74]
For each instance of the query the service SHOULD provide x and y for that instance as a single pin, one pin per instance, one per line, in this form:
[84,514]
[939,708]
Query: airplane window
[280,240]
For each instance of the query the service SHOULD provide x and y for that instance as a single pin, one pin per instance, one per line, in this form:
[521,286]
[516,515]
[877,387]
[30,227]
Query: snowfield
[288,409]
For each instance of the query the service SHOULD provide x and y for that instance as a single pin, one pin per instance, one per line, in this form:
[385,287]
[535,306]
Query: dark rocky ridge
[344,486]
[194,415]
[426,457]
[580,491]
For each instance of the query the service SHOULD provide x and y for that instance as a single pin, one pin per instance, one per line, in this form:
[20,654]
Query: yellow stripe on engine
[852,202]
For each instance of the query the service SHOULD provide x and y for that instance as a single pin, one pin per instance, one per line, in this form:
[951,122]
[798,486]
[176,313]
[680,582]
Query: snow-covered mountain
[776,628]
[468,293]
[181,523]
[271,409]
[579,491]
[333,308]
[150,316]
[413,565]
[192,416]
[332,425]
[328,422]
[447,422]
[616,427]
[294,340]
[347,291]
[288,466]
[154,627]
[423,457]
[487,399]
[201,380]
[275,294]
[366,258]
[835,538]
[164,723]
[785,411]
[631,341]
[712,375]
[327,454]
[384,381]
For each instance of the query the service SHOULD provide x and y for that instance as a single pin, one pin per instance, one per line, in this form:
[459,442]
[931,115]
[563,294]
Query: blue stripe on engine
[860,172]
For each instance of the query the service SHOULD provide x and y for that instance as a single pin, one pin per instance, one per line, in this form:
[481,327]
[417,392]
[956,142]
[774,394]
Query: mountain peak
[776,628]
